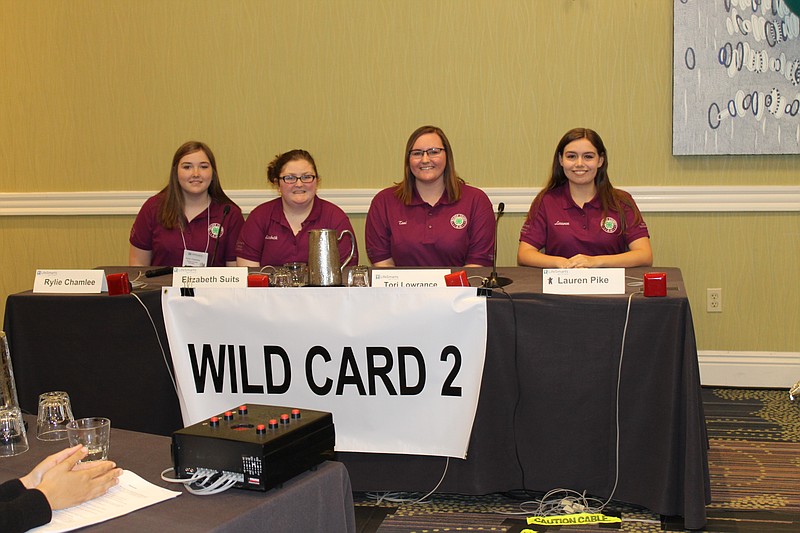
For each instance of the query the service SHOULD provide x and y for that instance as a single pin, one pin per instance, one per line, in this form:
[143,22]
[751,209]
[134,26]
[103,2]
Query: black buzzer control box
[262,445]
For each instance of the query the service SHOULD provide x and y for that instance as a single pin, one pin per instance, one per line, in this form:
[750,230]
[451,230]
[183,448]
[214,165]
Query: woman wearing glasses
[276,232]
[431,218]
[191,222]
[579,220]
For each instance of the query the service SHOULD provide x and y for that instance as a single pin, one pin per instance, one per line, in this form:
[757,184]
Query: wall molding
[749,369]
[356,201]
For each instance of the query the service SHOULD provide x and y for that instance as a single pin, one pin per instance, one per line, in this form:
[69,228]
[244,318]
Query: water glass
[55,412]
[13,439]
[94,433]
[358,276]
[299,272]
[281,278]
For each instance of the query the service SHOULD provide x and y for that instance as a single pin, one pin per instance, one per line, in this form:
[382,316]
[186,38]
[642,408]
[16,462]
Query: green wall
[96,95]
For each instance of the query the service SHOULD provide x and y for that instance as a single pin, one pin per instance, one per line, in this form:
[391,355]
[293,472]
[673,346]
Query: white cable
[225,481]
[397,497]
[161,346]
[192,479]
[616,414]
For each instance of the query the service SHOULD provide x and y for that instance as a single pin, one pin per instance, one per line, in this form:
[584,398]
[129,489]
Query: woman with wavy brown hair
[579,220]
[191,221]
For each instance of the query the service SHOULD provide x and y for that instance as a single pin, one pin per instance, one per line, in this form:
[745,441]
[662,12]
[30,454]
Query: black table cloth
[547,415]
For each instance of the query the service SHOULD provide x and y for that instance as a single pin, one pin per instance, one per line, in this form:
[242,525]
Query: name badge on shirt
[583,281]
[414,277]
[225,277]
[70,281]
[194,259]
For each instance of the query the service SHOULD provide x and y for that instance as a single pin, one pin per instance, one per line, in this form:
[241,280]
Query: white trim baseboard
[749,369]
[356,201]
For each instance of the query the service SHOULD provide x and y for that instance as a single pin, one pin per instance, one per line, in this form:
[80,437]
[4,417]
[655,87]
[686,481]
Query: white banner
[400,369]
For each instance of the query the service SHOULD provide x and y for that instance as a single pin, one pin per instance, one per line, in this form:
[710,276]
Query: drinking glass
[299,272]
[94,433]
[55,412]
[281,278]
[13,439]
[358,276]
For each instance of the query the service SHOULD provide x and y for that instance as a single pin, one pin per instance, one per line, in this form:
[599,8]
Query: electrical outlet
[714,300]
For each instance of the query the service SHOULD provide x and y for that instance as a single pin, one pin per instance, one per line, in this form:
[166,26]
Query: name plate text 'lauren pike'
[583,281]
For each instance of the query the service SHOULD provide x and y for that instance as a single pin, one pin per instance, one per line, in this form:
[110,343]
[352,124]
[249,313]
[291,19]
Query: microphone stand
[494,281]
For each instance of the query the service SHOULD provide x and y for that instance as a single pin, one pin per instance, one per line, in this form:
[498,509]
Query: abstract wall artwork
[736,78]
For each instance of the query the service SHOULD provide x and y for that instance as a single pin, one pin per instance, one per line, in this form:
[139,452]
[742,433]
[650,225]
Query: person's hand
[34,477]
[64,484]
[561,262]
[581,261]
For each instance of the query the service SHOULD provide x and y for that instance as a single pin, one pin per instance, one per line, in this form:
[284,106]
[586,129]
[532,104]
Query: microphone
[225,211]
[493,281]
[158,272]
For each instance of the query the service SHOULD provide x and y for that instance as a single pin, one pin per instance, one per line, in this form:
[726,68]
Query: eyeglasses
[432,152]
[305,178]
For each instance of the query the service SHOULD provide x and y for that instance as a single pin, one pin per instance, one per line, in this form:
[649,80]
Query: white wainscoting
[749,369]
[356,201]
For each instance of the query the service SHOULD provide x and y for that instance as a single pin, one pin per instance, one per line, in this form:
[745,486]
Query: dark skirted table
[547,414]
[316,500]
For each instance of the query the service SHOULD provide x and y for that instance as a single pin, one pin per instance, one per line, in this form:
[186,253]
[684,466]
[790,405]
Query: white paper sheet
[132,493]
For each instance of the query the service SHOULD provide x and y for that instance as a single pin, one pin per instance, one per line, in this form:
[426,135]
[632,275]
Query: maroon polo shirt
[564,230]
[445,235]
[166,245]
[268,239]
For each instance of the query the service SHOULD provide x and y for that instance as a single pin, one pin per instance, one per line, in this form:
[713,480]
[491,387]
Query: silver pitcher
[324,266]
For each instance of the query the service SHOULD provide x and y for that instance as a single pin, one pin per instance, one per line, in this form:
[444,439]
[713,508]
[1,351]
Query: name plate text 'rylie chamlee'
[583,281]
[218,277]
[412,277]
[70,281]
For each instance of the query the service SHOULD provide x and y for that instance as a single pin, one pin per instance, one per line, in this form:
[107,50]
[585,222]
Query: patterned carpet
[754,461]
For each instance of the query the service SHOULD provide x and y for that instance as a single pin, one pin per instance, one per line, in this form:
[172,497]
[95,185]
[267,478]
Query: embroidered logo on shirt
[458,221]
[402,222]
[215,231]
[609,225]
[559,223]
[270,237]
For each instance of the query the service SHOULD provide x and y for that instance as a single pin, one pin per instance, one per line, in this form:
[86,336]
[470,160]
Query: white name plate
[70,281]
[219,277]
[583,281]
[415,277]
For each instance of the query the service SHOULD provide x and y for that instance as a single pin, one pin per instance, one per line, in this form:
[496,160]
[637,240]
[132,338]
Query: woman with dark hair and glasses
[191,222]
[579,220]
[432,217]
[276,232]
